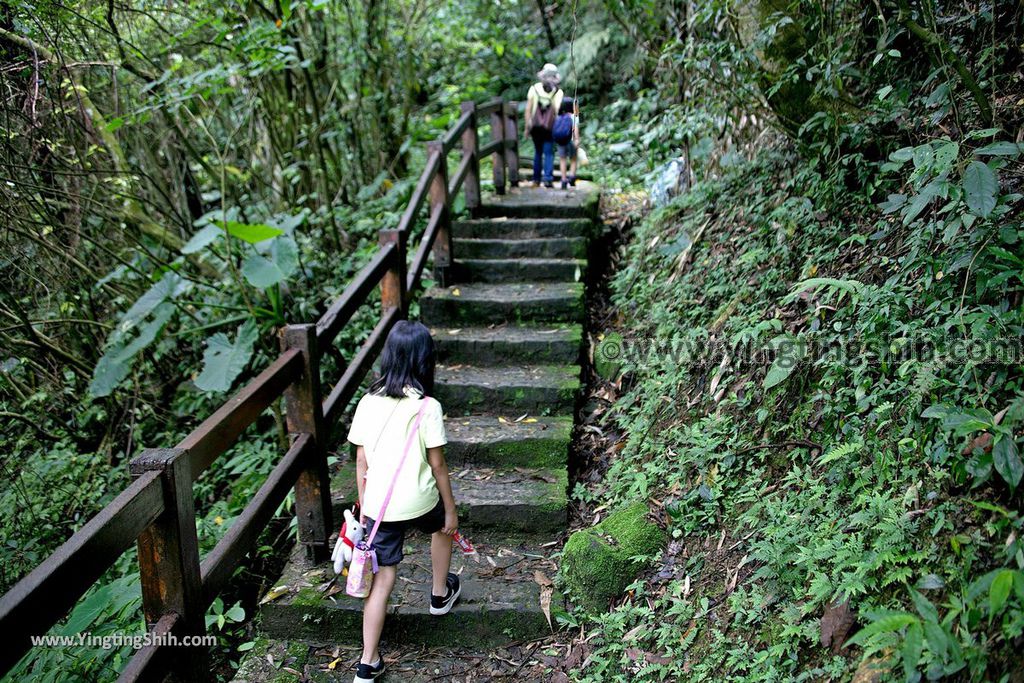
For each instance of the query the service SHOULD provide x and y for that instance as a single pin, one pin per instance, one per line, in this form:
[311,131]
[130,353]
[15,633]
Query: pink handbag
[364,557]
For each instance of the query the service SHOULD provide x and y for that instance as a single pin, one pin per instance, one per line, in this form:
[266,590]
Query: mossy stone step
[495,441]
[503,344]
[533,389]
[520,228]
[520,270]
[500,602]
[528,202]
[540,247]
[505,302]
[513,500]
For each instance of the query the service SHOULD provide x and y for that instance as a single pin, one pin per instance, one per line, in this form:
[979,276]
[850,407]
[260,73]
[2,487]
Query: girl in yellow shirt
[422,496]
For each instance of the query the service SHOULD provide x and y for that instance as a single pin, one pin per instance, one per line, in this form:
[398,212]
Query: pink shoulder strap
[398,470]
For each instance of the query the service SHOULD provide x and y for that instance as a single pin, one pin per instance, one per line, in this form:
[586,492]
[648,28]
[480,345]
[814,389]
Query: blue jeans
[543,148]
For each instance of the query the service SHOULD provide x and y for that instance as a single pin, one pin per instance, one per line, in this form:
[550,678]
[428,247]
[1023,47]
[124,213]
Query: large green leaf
[253,233]
[168,287]
[262,272]
[116,363]
[789,351]
[224,360]
[202,238]
[913,644]
[1007,461]
[887,623]
[285,254]
[999,591]
[980,189]
[1000,149]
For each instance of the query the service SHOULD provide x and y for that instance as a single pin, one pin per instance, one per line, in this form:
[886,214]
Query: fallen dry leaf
[274,594]
[547,588]
[835,625]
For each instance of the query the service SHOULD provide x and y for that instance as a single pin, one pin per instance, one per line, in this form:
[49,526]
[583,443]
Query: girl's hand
[451,522]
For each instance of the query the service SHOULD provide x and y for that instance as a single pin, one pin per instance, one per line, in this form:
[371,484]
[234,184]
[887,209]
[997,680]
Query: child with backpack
[542,104]
[566,135]
[402,478]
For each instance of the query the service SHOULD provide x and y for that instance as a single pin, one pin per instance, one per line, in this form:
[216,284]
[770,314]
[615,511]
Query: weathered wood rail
[155,512]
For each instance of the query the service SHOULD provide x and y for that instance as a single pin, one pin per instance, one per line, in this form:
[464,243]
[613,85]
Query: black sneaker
[565,184]
[572,180]
[442,605]
[549,184]
[365,673]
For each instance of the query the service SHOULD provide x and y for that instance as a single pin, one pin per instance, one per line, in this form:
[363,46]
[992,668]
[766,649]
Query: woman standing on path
[542,104]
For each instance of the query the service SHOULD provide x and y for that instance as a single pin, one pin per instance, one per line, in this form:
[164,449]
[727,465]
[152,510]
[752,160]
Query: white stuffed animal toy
[351,533]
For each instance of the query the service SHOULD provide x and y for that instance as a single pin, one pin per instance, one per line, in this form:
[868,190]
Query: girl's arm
[361,479]
[435,456]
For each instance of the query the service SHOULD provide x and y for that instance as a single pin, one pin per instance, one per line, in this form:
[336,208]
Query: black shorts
[391,535]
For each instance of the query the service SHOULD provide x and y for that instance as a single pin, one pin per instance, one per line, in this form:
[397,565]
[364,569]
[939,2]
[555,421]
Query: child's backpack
[561,132]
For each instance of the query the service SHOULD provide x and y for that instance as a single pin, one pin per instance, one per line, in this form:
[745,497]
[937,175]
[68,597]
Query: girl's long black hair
[407,361]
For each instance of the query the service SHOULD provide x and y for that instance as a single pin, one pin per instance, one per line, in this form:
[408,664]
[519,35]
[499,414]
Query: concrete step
[503,344]
[500,601]
[520,228]
[527,202]
[526,171]
[541,247]
[497,303]
[492,441]
[513,500]
[296,661]
[520,270]
[534,389]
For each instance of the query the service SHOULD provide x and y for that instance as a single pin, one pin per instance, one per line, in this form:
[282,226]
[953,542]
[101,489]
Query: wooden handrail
[152,662]
[455,184]
[349,383]
[156,510]
[218,566]
[354,296]
[492,147]
[419,194]
[423,252]
[220,430]
[454,134]
[489,107]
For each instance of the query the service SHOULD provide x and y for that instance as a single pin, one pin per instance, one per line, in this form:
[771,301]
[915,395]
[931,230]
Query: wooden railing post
[392,285]
[470,145]
[498,158]
[512,134]
[304,405]
[169,557]
[438,198]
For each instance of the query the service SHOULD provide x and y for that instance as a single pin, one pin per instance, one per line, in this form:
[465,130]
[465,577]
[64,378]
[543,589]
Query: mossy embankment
[812,477]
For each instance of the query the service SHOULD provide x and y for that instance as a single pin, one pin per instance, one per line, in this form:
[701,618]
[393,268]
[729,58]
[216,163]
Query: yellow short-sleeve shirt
[381,425]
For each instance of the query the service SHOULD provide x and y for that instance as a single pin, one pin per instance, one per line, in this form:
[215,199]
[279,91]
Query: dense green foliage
[840,473]
[181,179]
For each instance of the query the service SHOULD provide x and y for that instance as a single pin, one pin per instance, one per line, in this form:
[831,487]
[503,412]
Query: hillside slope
[799,411]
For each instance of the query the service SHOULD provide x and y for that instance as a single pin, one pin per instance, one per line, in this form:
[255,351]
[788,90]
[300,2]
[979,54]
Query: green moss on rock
[608,356]
[597,563]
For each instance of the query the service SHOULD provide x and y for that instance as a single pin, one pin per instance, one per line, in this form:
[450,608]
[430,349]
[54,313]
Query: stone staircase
[509,337]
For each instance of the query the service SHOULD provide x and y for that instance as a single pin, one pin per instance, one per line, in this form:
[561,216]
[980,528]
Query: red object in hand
[467,547]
